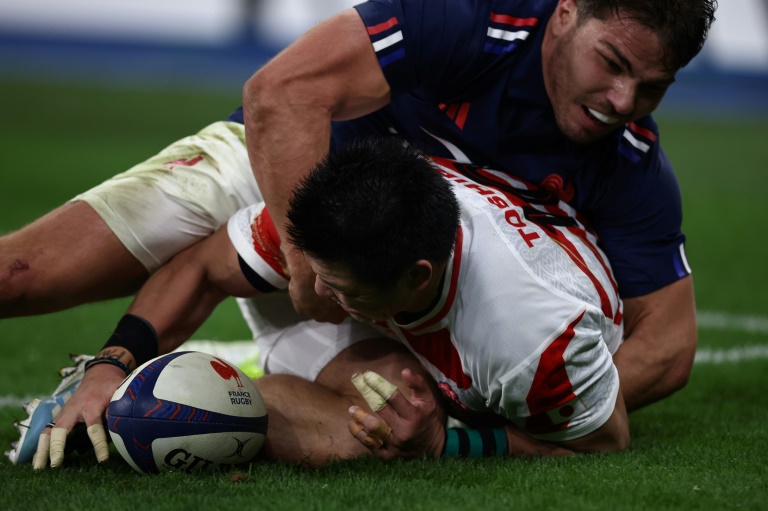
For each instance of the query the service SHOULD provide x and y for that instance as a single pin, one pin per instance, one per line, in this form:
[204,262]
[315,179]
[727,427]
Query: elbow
[678,366]
[260,92]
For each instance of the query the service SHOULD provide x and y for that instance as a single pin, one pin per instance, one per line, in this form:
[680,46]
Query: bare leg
[66,258]
[308,420]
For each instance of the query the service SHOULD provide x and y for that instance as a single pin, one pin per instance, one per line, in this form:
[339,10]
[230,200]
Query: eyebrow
[625,61]
[616,53]
[335,287]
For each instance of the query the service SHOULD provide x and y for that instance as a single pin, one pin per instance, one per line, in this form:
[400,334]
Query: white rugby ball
[187,411]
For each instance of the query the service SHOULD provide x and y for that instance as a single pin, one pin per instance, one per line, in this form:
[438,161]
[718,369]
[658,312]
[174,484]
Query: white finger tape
[99,440]
[374,388]
[58,441]
[40,459]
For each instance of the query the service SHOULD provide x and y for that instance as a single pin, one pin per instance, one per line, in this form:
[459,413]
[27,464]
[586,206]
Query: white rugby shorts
[181,195]
[290,344]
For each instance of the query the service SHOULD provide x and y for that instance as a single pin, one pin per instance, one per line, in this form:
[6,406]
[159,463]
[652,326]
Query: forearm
[656,357]
[288,105]
[176,301]
[285,135]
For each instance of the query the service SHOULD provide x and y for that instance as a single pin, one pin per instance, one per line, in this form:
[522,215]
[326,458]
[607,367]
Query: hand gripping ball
[187,411]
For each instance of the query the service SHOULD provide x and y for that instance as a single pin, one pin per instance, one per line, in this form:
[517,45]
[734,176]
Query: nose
[623,96]
[321,289]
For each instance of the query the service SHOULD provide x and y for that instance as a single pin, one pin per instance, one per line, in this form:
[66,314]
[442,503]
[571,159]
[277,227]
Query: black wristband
[107,360]
[136,335]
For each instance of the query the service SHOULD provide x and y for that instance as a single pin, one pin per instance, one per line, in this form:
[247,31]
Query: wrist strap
[136,335]
[107,360]
[475,443]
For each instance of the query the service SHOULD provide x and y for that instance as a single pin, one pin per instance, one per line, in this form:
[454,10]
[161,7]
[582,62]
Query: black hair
[683,25]
[375,206]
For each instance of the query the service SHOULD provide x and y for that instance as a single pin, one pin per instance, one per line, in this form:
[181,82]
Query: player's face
[360,301]
[601,74]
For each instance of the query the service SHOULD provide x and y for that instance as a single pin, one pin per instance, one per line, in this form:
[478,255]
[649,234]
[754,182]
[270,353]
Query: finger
[421,395]
[373,425]
[58,442]
[40,459]
[362,436]
[374,389]
[380,385]
[99,440]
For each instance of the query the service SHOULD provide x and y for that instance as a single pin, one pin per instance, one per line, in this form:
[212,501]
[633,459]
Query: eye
[611,64]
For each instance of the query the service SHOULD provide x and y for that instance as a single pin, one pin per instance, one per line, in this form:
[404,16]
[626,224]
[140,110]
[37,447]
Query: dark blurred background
[217,44]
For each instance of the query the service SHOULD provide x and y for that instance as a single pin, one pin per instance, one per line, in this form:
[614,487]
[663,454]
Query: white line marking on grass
[710,356]
[14,400]
[726,321]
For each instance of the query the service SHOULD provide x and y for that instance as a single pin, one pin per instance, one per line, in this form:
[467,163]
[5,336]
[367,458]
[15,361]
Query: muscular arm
[329,73]
[660,343]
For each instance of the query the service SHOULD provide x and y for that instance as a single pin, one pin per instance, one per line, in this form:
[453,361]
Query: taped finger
[58,442]
[380,385]
[375,428]
[359,432]
[99,440]
[358,414]
[40,459]
[374,388]
[382,431]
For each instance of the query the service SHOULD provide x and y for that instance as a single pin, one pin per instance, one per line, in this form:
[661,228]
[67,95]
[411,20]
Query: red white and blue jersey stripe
[506,33]
[387,40]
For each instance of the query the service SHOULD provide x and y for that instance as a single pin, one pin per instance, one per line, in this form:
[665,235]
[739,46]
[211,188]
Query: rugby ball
[186,411]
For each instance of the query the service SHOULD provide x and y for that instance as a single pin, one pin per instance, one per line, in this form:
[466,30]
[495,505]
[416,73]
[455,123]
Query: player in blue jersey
[558,92]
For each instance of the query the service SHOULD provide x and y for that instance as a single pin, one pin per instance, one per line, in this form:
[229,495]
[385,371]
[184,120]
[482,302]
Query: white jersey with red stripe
[529,314]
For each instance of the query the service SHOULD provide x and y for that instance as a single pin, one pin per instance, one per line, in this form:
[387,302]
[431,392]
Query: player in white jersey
[495,287]
[520,302]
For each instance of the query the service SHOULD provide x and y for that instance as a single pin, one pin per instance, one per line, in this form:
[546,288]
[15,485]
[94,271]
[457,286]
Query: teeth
[602,117]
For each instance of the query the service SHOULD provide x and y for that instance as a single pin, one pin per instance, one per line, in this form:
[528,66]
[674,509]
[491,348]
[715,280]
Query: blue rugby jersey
[467,84]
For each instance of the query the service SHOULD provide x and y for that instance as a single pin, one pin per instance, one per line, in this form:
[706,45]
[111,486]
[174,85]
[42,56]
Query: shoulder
[445,16]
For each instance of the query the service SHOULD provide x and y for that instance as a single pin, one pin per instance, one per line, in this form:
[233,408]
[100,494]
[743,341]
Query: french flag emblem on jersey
[387,39]
[637,141]
[506,32]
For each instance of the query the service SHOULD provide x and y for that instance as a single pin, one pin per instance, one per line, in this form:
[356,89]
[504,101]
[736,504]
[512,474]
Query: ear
[420,274]
[565,16]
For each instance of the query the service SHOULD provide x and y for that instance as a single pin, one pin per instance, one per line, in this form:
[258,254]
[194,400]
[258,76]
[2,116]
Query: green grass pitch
[704,448]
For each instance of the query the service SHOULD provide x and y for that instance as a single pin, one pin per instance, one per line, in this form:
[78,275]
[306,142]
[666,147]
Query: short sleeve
[421,43]
[255,239]
[638,217]
[569,389]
